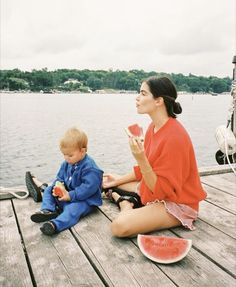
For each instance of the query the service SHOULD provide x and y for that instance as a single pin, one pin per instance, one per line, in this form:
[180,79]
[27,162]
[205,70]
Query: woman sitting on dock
[164,188]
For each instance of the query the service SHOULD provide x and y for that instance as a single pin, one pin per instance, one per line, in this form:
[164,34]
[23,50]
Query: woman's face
[145,103]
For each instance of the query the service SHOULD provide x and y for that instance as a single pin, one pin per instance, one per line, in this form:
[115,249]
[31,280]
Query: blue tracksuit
[83,181]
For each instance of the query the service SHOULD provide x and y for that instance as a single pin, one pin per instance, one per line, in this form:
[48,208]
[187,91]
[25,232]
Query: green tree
[94,83]
[218,86]
[41,80]
[17,84]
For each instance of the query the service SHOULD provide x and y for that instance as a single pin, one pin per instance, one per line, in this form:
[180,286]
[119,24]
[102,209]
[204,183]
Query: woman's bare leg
[148,218]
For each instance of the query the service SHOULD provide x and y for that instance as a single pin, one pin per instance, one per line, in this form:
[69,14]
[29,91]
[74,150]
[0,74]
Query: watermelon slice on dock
[135,131]
[164,249]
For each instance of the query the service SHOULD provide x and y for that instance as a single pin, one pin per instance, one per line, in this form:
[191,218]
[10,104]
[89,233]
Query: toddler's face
[72,156]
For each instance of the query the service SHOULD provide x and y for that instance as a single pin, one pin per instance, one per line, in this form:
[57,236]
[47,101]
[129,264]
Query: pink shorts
[185,214]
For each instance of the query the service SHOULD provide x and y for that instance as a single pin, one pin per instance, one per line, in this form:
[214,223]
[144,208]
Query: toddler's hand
[65,197]
[58,189]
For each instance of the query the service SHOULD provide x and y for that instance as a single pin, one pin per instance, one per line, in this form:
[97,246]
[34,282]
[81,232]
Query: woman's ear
[159,101]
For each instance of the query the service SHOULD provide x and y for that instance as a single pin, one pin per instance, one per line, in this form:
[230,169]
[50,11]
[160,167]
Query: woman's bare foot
[125,204]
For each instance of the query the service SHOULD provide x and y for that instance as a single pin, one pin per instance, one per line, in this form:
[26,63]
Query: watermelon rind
[159,260]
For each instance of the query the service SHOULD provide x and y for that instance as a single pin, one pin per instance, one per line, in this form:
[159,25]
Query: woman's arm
[148,174]
[110,180]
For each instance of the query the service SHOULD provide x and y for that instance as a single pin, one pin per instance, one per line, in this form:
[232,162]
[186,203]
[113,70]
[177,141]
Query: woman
[165,177]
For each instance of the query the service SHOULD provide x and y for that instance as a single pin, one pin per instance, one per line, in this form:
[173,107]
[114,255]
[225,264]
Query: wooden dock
[87,255]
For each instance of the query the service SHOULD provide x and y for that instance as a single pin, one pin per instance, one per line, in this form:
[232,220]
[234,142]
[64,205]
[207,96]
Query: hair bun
[177,108]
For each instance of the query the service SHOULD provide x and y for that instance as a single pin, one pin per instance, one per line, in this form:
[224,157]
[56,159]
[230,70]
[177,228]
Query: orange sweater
[171,155]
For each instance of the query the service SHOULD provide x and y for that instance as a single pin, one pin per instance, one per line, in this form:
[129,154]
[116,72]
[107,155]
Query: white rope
[230,112]
[227,156]
[14,191]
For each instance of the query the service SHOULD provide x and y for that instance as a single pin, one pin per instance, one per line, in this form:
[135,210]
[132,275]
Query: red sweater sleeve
[137,173]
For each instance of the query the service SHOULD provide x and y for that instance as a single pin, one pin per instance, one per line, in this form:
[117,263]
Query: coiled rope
[14,192]
[229,119]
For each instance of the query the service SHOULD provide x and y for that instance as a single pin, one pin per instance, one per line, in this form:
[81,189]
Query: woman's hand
[109,180]
[137,148]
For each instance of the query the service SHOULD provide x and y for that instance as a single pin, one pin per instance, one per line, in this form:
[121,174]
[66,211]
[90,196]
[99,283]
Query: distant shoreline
[103,82]
[105,93]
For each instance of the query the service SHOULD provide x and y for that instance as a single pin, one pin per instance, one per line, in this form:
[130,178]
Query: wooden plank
[56,260]
[231,177]
[13,266]
[221,183]
[118,260]
[193,270]
[213,243]
[219,218]
[216,169]
[221,199]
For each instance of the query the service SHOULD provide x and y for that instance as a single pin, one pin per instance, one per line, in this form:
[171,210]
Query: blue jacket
[83,180]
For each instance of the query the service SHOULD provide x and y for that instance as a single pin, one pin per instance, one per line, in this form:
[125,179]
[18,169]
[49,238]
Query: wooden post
[233,92]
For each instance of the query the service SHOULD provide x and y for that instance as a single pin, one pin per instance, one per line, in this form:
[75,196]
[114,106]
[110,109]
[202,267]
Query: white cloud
[179,36]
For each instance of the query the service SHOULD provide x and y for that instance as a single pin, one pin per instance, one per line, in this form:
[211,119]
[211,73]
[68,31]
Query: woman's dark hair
[163,87]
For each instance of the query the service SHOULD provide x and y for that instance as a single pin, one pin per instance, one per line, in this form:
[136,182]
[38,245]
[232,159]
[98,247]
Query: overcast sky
[173,36]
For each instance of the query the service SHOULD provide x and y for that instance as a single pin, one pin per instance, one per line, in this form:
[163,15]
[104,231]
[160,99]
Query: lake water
[31,125]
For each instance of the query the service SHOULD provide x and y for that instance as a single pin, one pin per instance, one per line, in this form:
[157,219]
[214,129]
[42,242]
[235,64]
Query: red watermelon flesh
[58,192]
[136,130]
[164,249]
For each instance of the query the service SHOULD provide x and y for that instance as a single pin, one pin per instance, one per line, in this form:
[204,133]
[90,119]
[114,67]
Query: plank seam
[136,245]
[231,212]
[199,218]
[209,258]
[157,265]
[215,262]
[63,264]
[90,261]
[218,188]
[24,247]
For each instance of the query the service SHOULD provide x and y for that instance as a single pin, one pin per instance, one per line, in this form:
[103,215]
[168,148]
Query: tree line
[67,80]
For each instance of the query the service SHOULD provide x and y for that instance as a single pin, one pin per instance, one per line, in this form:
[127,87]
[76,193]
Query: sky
[171,36]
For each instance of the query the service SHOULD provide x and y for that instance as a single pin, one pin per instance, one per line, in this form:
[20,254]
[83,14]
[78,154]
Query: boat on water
[214,94]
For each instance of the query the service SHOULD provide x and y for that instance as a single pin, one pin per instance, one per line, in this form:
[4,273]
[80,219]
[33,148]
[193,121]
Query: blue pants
[71,211]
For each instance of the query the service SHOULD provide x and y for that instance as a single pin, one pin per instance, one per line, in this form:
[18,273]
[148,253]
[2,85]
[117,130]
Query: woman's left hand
[137,148]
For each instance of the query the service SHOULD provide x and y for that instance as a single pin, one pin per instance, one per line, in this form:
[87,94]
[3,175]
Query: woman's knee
[120,227]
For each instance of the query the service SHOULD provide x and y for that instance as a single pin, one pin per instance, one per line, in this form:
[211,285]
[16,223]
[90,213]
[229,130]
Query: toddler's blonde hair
[74,138]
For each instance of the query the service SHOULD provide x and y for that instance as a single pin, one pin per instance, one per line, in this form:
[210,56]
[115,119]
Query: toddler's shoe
[48,228]
[43,215]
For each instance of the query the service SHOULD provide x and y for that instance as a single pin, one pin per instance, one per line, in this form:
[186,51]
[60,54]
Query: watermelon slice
[58,189]
[135,131]
[164,249]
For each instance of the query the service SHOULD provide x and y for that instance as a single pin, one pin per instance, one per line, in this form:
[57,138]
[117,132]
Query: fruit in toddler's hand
[58,189]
